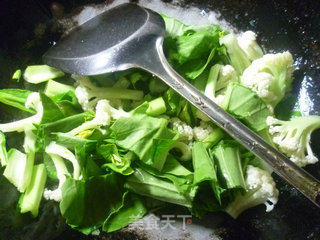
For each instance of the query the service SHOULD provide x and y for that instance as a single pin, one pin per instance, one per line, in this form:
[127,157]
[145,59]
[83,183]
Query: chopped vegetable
[31,198]
[108,152]
[238,58]
[293,137]
[247,42]
[19,169]
[3,150]
[41,73]
[270,77]
[261,190]
[17,75]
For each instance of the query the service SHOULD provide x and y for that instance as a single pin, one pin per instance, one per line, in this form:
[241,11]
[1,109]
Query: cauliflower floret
[270,76]
[293,137]
[33,101]
[104,113]
[202,131]
[185,131]
[247,42]
[261,189]
[88,94]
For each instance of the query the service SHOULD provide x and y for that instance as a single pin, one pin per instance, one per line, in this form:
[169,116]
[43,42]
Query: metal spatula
[129,36]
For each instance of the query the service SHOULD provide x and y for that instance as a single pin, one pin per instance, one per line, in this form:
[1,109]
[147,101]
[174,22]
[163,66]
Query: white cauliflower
[293,137]
[187,134]
[270,76]
[247,42]
[185,131]
[88,94]
[261,189]
[202,131]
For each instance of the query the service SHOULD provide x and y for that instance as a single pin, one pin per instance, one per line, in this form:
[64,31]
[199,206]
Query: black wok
[28,28]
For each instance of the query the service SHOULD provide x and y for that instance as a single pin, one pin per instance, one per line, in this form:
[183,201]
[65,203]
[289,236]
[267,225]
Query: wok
[29,28]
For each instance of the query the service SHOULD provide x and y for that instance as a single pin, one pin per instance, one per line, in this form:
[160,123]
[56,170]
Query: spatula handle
[294,175]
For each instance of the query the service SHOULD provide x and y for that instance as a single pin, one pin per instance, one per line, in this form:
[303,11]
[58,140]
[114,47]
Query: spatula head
[109,42]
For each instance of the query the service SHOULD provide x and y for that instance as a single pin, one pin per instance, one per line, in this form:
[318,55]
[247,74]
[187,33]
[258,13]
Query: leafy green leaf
[195,67]
[204,169]
[192,48]
[146,184]
[85,154]
[67,103]
[132,210]
[15,98]
[174,167]
[197,44]
[51,111]
[174,27]
[146,136]
[62,125]
[172,98]
[174,172]
[116,162]
[246,105]
[71,141]
[86,204]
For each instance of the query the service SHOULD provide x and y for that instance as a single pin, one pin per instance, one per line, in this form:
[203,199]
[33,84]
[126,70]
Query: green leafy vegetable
[31,198]
[228,159]
[238,59]
[3,150]
[213,138]
[63,125]
[204,169]
[173,172]
[117,162]
[86,204]
[41,73]
[146,184]
[132,210]
[146,136]
[156,107]
[19,169]
[54,88]
[17,75]
[51,111]
[15,98]
[247,106]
